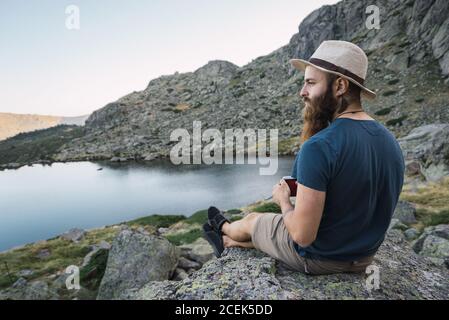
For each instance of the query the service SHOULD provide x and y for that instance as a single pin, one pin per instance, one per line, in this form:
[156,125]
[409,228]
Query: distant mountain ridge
[408,68]
[12,124]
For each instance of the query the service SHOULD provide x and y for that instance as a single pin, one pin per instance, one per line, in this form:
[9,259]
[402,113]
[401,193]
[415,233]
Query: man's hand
[281,192]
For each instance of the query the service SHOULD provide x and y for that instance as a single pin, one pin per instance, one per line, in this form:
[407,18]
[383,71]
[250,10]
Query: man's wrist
[286,206]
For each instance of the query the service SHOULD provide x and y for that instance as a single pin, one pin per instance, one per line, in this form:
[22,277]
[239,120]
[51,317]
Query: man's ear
[342,86]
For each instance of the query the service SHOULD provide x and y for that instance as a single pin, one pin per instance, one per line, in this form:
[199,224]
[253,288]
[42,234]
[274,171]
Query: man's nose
[303,93]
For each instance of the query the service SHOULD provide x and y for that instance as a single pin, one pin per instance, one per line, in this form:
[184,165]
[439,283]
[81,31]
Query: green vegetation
[395,121]
[199,217]
[235,81]
[431,203]
[268,207]
[37,145]
[389,93]
[156,220]
[419,99]
[235,218]
[92,273]
[233,211]
[62,253]
[184,237]
[393,81]
[240,93]
[286,145]
[432,196]
[430,218]
[383,111]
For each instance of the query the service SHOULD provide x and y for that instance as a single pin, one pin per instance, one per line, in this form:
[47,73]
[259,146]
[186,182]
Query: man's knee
[252,216]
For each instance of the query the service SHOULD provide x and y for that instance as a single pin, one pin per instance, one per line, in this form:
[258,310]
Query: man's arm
[302,220]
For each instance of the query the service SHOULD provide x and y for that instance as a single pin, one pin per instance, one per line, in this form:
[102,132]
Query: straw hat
[342,58]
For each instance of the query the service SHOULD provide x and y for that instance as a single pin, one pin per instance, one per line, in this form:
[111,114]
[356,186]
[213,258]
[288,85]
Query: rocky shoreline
[165,257]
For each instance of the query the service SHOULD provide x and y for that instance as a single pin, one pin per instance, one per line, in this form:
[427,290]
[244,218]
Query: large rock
[439,231]
[429,146]
[250,274]
[74,234]
[23,290]
[405,212]
[199,250]
[136,259]
[435,247]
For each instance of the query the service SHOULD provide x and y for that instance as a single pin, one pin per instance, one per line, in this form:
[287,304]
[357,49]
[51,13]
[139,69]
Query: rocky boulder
[434,244]
[136,259]
[74,235]
[405,212]
[250,274]
[24,290]
[427,145]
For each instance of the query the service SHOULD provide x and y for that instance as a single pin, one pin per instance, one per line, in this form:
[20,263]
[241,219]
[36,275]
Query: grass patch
[62,254]
[240,93]
[158,221]
[268,207]
[235,82]
[5,279]
[92,273]
[184,237]
[428,218]
[419,100]
[393,81]
[233,211]
[441,217]
[431,203]
[396,121]
[286,145]
[433,197]
[383,111]
[199,217]
[389,93]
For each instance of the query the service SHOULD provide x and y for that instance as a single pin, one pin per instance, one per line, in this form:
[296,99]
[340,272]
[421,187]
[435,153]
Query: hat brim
[301,65]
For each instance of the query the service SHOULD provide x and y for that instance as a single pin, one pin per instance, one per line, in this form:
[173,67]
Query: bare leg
[241,230]
[228,242]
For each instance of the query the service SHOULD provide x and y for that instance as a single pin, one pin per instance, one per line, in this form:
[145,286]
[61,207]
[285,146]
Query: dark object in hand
[291,184]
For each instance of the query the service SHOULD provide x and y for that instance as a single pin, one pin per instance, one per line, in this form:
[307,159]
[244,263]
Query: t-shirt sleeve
[315,164]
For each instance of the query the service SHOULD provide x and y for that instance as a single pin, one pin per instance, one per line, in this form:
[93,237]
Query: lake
[39,202]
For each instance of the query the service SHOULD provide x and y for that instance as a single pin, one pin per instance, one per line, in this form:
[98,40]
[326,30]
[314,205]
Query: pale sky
[46,68]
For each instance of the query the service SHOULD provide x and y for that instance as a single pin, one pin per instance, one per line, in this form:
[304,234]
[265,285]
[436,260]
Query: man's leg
[240,231]
[228,242]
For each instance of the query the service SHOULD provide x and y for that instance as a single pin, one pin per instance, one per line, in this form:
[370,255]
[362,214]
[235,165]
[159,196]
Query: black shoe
[214,238]
[216,219]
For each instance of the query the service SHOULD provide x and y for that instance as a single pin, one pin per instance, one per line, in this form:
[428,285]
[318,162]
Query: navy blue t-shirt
[359,164]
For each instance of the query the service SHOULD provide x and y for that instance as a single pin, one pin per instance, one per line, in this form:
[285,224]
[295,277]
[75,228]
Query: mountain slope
[409,66]
[12,124]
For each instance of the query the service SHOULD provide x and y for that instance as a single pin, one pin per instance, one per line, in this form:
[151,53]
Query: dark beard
[318,113]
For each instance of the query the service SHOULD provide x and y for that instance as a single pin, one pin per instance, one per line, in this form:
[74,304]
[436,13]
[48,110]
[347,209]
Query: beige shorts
[271,236]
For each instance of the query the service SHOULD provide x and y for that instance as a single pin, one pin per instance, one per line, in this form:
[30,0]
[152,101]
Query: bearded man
[349,172]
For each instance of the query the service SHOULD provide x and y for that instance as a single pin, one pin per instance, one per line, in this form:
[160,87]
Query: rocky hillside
[248,274]
[12,124]
[409,66]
